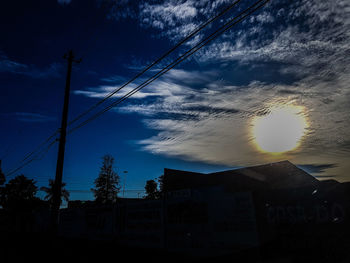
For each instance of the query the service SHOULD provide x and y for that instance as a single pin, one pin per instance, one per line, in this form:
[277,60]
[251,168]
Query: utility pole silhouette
[2,176]
[57,187]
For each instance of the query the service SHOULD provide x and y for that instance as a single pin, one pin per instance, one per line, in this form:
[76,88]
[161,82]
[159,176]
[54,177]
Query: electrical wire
[184,56]
[89,191]
[244,14]
[192,34]
[10,147]
[37,156]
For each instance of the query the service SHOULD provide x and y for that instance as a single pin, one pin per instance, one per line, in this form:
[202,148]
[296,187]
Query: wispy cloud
[318,168]
[171,19]
[31,117]
[8,65]
[288,53]
[167,14]
[121,9]
[63,2]
[205,119]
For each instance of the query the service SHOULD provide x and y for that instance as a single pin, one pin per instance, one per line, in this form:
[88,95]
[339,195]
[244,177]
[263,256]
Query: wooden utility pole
[57,188]
[2,176]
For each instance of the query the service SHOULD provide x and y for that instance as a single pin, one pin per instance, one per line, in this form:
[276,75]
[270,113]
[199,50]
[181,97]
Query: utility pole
[57,187]
[2,176]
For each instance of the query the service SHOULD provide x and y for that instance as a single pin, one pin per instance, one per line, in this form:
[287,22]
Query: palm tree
[49,191]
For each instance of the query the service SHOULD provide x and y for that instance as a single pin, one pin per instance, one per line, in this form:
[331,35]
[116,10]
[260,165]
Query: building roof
[268,176]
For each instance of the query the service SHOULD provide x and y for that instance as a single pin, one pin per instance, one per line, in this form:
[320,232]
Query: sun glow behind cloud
[207,113]
[280,130]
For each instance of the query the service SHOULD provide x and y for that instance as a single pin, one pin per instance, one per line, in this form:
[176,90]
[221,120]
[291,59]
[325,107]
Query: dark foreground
[42,248]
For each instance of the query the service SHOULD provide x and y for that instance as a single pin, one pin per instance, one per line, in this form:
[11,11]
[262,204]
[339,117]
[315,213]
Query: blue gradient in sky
[281,54]
[35,36]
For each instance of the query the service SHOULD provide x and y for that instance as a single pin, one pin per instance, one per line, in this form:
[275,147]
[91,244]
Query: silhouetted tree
[49,192]
[107,183]
[161,184]
[151,188]
[19,194]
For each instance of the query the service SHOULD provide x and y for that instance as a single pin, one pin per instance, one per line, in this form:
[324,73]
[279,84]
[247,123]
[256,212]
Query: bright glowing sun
[280,130]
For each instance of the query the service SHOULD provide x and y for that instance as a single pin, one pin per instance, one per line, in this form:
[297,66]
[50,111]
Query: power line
[190,52]
[37,156]
[26,160]
[27,156]
[40,145]
[244,14]
[89,191]
[192,34]
[10,146]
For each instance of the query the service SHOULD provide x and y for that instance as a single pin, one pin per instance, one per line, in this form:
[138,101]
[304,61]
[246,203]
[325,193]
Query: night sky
[285,68]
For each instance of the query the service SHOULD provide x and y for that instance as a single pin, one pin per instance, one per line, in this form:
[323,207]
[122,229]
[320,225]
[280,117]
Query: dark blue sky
[198,116]
[34,38]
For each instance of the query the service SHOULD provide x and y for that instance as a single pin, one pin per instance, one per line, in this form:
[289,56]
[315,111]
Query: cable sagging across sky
[232,22]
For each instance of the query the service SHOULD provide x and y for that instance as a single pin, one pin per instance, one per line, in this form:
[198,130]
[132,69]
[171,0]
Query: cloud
[288,53]
[303,36]
[317,169]
[170,18]
[15,67]
[177,19]
[64,2]
[121,9]
[7,65]
[167,14]
[199,117]
[32,117]
[165,87]
[213,124]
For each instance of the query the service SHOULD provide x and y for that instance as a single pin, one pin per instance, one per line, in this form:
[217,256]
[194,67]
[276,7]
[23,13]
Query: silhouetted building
[272,208]
[263,177]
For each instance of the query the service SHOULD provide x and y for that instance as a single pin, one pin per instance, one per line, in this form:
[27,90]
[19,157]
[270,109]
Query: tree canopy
[19,193]
[107,184]
[154,189]
[151,188]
